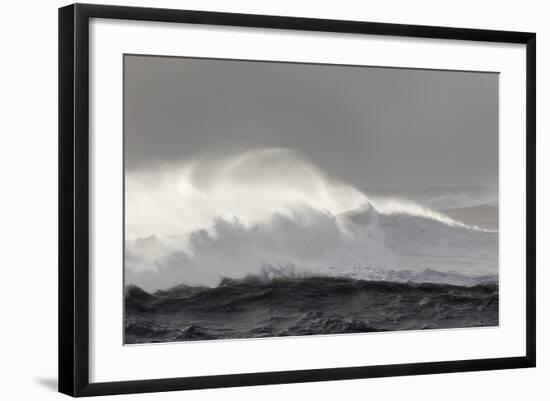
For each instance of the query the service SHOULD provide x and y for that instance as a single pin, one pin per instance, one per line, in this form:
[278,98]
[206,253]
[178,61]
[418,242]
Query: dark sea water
[251,308]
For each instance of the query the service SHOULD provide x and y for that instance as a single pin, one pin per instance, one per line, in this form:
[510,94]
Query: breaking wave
[272,212]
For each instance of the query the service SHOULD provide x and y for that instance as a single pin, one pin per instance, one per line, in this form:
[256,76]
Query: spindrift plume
[250,186]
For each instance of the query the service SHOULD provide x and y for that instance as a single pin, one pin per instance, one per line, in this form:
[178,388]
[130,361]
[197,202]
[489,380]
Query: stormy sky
[370,127]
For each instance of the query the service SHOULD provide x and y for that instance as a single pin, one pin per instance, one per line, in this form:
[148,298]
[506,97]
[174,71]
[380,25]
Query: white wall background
[28,212]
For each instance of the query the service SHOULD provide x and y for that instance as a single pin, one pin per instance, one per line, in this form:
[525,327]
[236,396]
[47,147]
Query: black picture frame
[74,193]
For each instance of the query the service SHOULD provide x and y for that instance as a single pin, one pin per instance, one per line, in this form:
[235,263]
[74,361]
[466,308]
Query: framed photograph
[251,199]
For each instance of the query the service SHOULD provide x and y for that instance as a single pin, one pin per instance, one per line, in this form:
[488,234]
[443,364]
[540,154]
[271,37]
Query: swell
[253,307]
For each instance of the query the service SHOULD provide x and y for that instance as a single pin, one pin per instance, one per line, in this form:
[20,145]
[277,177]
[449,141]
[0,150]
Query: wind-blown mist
[272,212]
[250,186]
